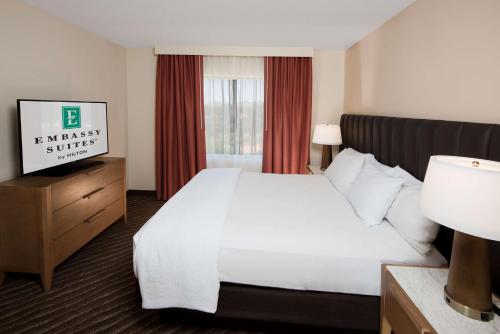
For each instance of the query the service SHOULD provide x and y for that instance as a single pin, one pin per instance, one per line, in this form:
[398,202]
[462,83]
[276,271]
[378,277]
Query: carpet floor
[95,291]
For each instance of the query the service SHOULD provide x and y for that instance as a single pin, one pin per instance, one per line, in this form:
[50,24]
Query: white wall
[43,57]
[328,95]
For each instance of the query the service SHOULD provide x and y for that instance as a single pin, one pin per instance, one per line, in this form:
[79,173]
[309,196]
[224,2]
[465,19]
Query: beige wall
[141,83]
[437,59]
[43,57]
[328,94]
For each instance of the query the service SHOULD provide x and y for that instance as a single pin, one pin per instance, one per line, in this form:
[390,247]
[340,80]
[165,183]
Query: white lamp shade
[327,134]
[463,194]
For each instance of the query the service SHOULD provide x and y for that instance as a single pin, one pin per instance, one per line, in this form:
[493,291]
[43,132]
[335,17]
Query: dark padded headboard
[409,143]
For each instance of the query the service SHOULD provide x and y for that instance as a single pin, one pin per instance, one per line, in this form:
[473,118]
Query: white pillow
[391,171]
[366,156]
[384,168]
[372,193]
[410,180]
[371,158]
[344,169]
[406,217]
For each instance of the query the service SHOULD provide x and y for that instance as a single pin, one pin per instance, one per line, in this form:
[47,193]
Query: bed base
[242,306]
[333,310]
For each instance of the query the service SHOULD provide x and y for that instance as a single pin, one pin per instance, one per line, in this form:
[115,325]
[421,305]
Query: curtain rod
[236,51]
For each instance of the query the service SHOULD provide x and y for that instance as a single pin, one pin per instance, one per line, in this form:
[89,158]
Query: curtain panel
[287,114]
[180,133]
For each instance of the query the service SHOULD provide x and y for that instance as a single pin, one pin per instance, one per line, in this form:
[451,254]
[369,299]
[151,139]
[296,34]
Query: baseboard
[141,192]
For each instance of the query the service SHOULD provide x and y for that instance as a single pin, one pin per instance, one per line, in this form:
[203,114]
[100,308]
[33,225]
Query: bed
[270,242]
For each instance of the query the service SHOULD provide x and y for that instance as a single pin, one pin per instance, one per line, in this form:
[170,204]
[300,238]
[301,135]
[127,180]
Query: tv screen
[54,133]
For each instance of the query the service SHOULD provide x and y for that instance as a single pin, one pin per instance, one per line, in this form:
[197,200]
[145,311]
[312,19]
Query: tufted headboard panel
[410,142]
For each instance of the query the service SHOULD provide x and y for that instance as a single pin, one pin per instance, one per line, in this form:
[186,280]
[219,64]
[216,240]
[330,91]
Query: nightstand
[412,302]
[315,170]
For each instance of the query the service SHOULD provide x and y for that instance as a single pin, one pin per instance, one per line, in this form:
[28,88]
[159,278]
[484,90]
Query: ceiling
[321,24]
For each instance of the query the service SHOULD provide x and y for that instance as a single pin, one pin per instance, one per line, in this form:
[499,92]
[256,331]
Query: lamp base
[467,311]
[326,159]
[468,290]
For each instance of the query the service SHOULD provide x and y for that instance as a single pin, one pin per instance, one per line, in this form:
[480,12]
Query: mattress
[298,232]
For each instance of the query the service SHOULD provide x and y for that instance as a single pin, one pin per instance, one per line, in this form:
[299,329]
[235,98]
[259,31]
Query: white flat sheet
[298,232]
[176,251]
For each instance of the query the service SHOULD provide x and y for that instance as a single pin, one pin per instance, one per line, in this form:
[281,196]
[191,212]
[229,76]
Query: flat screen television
[55,136]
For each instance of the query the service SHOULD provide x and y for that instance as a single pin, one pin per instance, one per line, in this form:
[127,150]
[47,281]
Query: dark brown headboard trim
[410,142]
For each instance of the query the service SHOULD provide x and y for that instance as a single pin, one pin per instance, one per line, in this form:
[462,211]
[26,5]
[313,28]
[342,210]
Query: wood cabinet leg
[2,277]
[386,327]
[46,276]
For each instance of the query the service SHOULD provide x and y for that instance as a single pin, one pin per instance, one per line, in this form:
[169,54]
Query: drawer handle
[95,216]
[95,171]
[93,193]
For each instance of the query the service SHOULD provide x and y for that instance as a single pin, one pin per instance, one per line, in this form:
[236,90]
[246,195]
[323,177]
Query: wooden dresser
[43,220]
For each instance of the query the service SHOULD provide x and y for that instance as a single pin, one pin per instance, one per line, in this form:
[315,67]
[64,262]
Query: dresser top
[45,181]
[424,286]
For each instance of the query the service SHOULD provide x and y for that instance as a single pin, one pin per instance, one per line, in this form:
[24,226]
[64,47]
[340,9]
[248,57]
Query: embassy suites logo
[71,118]
[70,143]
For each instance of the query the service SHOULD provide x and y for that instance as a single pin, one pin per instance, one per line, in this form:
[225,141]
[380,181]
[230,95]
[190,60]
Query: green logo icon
[71,118]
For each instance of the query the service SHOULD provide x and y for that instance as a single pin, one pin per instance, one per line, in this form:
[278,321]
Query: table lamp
[327,135]
[464,194]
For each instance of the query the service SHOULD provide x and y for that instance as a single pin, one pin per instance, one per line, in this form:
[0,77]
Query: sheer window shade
[233,68]
[234,109]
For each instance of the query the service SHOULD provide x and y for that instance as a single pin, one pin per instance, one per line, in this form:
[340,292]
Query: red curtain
[180,134]
[287,119]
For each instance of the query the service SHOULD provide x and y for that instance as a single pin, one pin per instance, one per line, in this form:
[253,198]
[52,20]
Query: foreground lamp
[327,135]
[464,194]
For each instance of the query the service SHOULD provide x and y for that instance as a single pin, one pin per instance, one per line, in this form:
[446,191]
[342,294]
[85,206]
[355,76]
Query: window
[234,111]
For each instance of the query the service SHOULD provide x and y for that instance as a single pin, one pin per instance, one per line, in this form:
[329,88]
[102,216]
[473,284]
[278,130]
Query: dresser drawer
[72,214]
[401,314]
[77,187]
[82,233]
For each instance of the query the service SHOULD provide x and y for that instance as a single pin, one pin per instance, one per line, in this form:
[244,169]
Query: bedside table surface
[315,170]
[424,286]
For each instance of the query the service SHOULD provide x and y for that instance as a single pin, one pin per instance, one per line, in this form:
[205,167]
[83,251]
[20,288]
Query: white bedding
[176,251]
[299,232]
[287,231]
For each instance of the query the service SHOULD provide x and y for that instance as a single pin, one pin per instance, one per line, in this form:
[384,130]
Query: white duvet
[176,251]
[285,231]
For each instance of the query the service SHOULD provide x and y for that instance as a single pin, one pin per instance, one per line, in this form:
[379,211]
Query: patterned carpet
[95,291]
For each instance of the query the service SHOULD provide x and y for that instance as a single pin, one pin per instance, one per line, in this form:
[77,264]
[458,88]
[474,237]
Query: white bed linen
[176,251]
[299,232]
